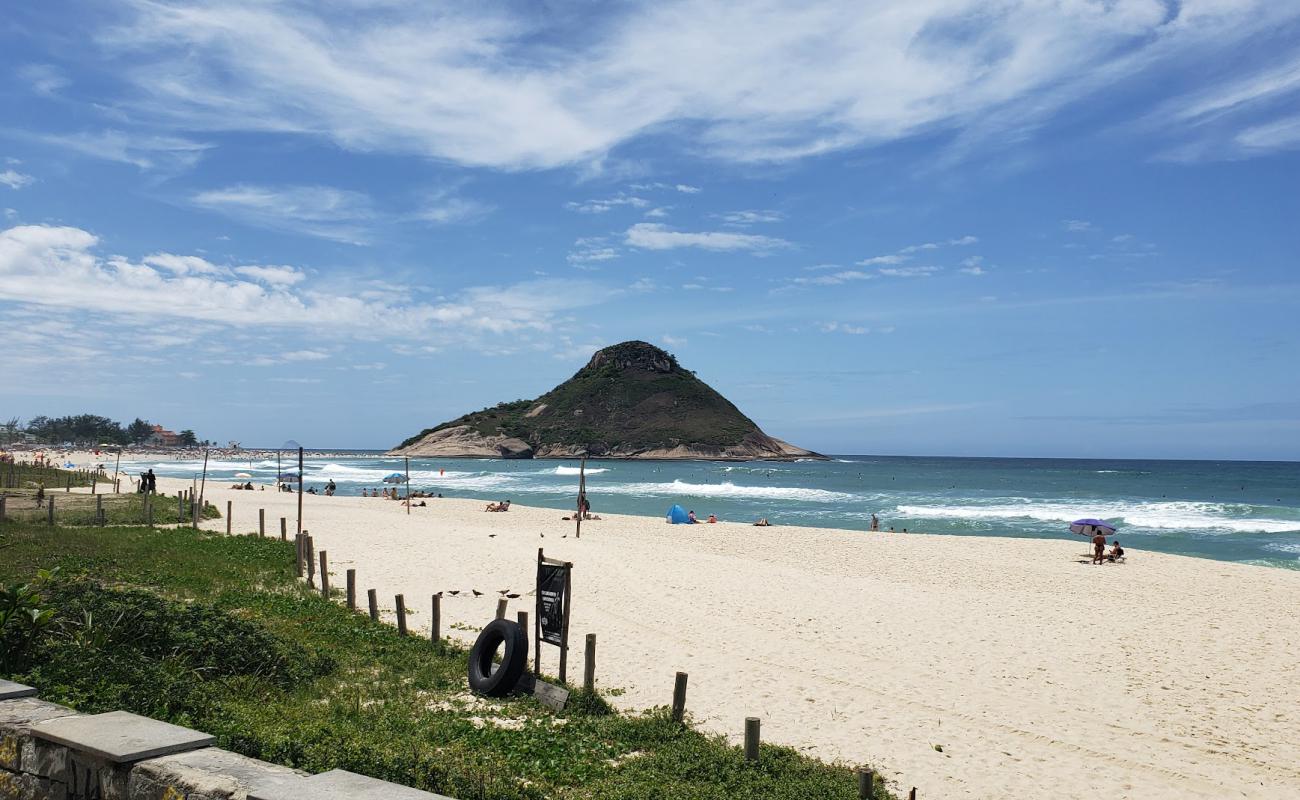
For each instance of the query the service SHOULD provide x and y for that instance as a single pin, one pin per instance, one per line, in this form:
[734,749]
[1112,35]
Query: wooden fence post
[99,510]
[49,510]
[148,509]
[324,575]
[401,615]
[866,784]
[284,530]
[751,738]
[435,623]
[261,523]
[230,512]
[352,590]
[309,546]
[180,507]
[912,794]
[374,605]
[501,607]
[679,697]
[589,669]
[68,488]
[297,555]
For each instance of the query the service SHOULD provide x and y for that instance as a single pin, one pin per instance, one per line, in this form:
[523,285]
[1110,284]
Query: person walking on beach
[1098,547]
[152,482]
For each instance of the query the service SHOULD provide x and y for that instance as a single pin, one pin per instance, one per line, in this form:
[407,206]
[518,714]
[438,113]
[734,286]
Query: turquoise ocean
[1228,510]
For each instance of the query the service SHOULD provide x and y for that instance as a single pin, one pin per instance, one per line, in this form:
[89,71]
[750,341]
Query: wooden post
[230,509]
[537,621]
[117,486]
[435,624]
[49,510]
[309,547]
[589,670]
[408,486]
[148,509]
[679,697]
[300,482]
[912,794]
[68,488]
[374,605]
[866,784]
[501,607]
[352,590]
[564,628]
[180,506]
[324,575]
[261,523]
[751,738]
[298,559]
[194,513]
[284,529]
[99,510]
[401,615]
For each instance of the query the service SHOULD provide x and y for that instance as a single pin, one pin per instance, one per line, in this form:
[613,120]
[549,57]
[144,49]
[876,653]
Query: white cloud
[275,276]
[672,341]
[843,327]
[322,211]
[591,249]
[657,213]
[443,209]
[140,150]
[14,179]
[607,204]
[1076,225]
[686,189]
[44,79]
[57,267]
[506,96]
[837,278]
[877,260]
[908,272]
[747,218]
[643,285]
[655,236]
[973,266]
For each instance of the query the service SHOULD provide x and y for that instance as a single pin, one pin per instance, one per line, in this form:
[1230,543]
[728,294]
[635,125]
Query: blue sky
[935,227]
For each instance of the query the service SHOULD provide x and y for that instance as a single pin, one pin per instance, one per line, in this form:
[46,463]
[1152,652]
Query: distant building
[161,437]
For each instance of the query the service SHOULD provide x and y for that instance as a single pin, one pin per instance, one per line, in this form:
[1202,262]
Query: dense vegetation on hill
[631,396]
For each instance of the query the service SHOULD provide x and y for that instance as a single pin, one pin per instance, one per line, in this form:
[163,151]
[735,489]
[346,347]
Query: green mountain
[632,400]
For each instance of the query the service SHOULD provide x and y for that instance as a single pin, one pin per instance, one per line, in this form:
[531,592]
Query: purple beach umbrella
[1090,527]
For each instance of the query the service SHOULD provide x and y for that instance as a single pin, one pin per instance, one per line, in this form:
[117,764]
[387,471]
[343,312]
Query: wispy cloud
[592,249]
[744,219]
[322,211]
[169,153]
[14,179]
[1077,225]
[908,272]
[45,79]
[655,236]
[843,327]
[504,98]
[607,204]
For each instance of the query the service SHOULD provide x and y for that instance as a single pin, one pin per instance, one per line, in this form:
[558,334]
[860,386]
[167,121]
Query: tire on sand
[498,680]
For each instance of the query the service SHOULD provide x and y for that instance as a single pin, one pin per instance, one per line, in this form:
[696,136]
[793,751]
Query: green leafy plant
[23,616]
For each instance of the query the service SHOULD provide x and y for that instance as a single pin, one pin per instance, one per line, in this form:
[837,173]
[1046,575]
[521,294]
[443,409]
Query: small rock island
[632,400]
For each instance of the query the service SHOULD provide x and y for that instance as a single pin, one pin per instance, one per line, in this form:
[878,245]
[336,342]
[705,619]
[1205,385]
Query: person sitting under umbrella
[1116,552]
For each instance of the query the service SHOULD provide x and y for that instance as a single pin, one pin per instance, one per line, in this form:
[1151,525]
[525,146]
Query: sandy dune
[1037,675]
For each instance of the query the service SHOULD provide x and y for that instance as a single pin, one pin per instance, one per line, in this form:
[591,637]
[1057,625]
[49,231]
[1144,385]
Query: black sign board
[550,594]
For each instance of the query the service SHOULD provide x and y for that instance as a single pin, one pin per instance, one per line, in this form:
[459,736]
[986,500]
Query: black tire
[501,681]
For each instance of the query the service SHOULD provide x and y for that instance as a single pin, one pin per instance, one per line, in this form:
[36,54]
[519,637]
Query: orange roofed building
[161,437]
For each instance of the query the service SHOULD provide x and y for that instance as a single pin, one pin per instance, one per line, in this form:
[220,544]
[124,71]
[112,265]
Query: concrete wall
[34,768]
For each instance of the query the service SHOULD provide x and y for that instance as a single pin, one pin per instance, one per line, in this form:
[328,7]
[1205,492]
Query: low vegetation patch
[215,633]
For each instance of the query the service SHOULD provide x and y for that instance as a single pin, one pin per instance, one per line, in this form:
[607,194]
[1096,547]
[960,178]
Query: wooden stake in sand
[374,605]
[284,529]
[300,530]
[309,546]
[589,669]
[297,556]
[352,590]
[203,487]
[230,512]
[866,784]
[324,575]
[435,624]
[116,464]
[261,523]
[751,738]
[401,615]
[501,607]
[679,697]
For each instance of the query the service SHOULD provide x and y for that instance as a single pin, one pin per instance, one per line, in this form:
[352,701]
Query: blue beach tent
[677,515]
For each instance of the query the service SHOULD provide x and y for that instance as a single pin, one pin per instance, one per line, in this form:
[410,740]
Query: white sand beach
[969,667]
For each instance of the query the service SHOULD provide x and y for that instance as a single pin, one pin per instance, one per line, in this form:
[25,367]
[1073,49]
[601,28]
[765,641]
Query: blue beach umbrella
[1091,527]
[395,477]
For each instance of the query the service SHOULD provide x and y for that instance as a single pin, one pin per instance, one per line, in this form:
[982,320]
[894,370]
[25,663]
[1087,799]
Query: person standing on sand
[1098,547]
[875,523]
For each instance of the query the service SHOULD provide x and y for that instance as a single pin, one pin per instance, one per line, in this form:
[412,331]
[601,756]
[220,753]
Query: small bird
[514,596]
[439,594]
[565,536]
[502,591]
[453,592]
[492,536]
[476,592]
[542,535]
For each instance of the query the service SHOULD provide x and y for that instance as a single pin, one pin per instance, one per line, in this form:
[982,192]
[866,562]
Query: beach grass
[214,632]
